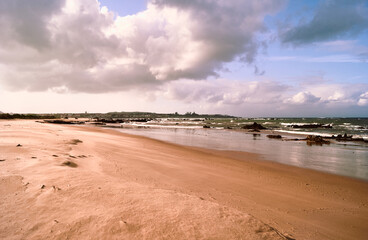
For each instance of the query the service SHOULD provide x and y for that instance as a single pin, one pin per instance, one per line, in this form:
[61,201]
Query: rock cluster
[316,140]
[254,126]
[274,136]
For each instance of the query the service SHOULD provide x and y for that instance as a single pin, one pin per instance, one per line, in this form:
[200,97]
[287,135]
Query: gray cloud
[77,46]
[25,21]
[333,19]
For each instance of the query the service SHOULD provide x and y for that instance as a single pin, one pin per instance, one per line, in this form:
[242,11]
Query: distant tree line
[27,116]
[111,115]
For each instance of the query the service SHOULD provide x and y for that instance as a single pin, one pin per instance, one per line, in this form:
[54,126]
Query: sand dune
[68,182]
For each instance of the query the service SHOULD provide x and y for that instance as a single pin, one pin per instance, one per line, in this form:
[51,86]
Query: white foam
[306,133]
[160,126]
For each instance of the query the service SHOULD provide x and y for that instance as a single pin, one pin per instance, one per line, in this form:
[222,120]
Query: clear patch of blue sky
[125,7]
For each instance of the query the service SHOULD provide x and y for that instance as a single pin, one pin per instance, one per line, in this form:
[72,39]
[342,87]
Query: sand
[70,182]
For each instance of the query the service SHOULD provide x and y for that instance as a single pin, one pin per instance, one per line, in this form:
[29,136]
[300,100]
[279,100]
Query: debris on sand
[19,145]
[70,164]
[56,188]
[75,141]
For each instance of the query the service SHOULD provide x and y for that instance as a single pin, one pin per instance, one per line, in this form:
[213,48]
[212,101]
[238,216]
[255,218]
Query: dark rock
[316,140]
[19,145]
[59,121]
[345,138]
[140,120]
[293,139]
[98,123]
[312,125]
[104,121]
[206,126]
[274,136]
[254,126]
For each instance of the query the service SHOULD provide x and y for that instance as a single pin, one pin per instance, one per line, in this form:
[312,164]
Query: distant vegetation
[112,115]
[27,116]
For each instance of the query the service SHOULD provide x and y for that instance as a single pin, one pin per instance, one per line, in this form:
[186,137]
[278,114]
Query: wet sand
[70,182]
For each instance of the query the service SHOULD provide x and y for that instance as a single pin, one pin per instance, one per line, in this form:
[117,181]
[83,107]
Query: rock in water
[316,140]
[274,136]
[254,126]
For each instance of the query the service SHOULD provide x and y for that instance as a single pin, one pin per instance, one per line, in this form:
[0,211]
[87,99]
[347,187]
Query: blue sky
[244,58]
[125,7]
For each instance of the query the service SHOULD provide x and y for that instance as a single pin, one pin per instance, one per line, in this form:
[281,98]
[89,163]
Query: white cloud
[363,99]
[81,46]
[303,98]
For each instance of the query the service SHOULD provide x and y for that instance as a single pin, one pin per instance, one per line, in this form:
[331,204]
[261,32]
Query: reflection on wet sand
[347,160]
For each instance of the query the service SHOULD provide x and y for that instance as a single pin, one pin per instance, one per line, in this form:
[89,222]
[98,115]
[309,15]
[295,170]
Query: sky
[254,58]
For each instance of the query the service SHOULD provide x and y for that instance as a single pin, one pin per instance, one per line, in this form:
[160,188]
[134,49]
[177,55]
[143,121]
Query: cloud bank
[332,19]
[268,97]
[80,46]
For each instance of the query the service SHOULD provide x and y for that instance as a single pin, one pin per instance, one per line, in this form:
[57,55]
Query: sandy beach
[73,182]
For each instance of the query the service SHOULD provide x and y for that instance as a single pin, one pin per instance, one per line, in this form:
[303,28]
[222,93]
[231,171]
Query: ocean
[357,127]
[346,158]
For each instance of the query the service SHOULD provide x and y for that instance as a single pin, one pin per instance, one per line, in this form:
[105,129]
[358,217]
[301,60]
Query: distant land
[110,115]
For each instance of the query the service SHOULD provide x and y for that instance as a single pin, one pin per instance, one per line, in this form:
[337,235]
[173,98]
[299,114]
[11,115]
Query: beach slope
[70,182]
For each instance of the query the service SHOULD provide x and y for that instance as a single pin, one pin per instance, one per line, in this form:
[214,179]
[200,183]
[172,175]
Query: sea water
[342,158]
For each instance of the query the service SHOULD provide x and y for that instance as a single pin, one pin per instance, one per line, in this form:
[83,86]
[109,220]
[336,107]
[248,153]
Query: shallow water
[342,159]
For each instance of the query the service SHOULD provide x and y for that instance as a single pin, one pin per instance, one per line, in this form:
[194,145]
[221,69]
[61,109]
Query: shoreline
[287,141]
[299,203]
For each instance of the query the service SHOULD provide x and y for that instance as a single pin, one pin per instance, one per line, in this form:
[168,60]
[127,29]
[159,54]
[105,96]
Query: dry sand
[68,182]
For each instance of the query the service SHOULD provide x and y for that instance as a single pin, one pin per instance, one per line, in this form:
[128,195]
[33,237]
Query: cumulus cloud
[332,19]
[303,98]
[81,46]
[363,99]
[271,96]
